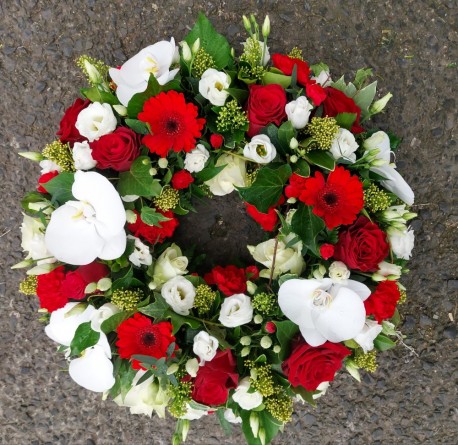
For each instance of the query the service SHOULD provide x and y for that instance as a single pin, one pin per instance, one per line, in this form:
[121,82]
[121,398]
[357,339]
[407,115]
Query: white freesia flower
[246,400]
[402,242]
[260,149]
[80,231]
[236,310]
[193,413]
[213,85]
[33,240]
[322,310]
[101,314]
[394,182]
[170,264]
[230,416]
[49,166]
[287,259]
[324,79]
[366,337]
[141,254]
[387,271]
[233,175]
[95,121]
[133,76]
[179,293]
[344,145]
[82,156]
[196,159]
[298,112]
[145,398]
[205,347]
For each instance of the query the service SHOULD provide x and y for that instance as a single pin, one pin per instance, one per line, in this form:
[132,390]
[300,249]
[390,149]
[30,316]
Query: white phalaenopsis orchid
[80,231]
[394,182]
[133,76]
[323,310]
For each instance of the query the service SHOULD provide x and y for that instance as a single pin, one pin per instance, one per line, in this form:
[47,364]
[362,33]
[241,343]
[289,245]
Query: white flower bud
[172,369]
[90,288]
[266,342]
[245,340]
[104,284]
[186,51]
[251,287]
[293,159]
[245,351]
[298,112]
[153,171]
[266,27]
[32,155]
[277,349]
[163,162]
[131,216]
[120,109]
[92,72]
[196,46]
[258,319]
[293,144]
[254,423]
[192,366]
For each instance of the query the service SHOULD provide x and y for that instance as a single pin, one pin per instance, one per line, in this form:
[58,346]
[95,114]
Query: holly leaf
[84,338]
[135,105]
[307,225]
[151,217]
[286,331]
[138,181]
[267,187]
[60,187]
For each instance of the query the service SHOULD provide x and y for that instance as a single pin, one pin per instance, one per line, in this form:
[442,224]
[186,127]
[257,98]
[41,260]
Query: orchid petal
[395,183]
[312,336]
[359,288]
[114,247]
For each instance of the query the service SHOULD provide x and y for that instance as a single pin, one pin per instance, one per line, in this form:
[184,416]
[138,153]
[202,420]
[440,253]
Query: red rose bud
[326,251]
[270,327]
[182,180]
[216,141]
[252,273]
[44,179]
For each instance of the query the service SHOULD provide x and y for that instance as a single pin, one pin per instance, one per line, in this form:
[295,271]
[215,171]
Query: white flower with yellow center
[213,85]
[179,293]
[260,149]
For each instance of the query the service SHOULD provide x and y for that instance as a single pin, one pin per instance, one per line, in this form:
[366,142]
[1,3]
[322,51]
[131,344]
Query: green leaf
[95,95]
[139,127]
[267,422]
[383,343]
[158,310]
[84,338]
[286,331]
[220,335]
[60,187]
[361,76]
[346,120]
[31,198]
[225,425]
[307,225]
[302,168]
[267,188]
[285,133]
[124,375]
[137,101]
[151,217]
[178,321]
[318,67]
[272,131]
[138,180]
[112,323]
[321,158]
[269,77]
[210,171]
[352,369]
[306,395]
[238,94]
[363,98]
[127,281]
[212,42]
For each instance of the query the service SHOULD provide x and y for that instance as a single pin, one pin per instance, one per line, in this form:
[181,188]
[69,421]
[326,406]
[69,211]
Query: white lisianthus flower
[338,271]
[394,182]
[236,310]
[205,347]
[324,79]
[213,85]
[95,121]
[133,76]
[260,149]
[101,314]
[387,271]
[339,274]
[344,145]
[48,166]
[246,400]
[179,293]
[145,398]
[298,112]
[80,231]
[196,159]
[230,416]
[170,264]
[141,254]
[233,175]
[401,242]
[82,156]
[33,240]
[366,337]
[287,259]
[193,413]
[323,311]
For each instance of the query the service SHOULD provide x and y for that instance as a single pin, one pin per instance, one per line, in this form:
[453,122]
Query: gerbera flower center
[148,339]
[329,198]
[172,125]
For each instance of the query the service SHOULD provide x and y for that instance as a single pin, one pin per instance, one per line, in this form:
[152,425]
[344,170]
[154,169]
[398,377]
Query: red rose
[308,366]
[67,131]
[216,140]
[252,272]
[75,282]
[44,179]
[362,245]
[337,102]
[116,150]
[382,302]
[50,291]
[182,180]
[266,105]
[154,234]
[327,251]
[230,279]
[93,272]
[215,379]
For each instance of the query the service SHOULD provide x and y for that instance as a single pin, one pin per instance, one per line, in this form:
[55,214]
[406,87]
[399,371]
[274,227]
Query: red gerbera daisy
[337,200]
[174,123]
[138,335]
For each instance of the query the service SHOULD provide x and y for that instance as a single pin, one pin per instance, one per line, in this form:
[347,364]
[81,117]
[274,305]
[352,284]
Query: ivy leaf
[135,105]
[285,133]
[84,338]
[60,187]
[112,323]
[322,159]
[302,168]
[267,188]
[238,94]
[138,181]
[151,217]
[272,131]
[307,225]
[158,310]
[127,281]
[286,331]
[139,127]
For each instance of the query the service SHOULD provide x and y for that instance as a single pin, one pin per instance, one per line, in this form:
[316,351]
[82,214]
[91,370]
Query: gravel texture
[411,46]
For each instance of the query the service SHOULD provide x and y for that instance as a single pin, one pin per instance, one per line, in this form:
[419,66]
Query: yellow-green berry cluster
[375,199]
[251,176]
[127,299]
[264,303]
[168,199]
[279,405]
[366,361]
[231,117]
[204,298]
[323,130]
[253,72]
[403,297]
[29,285]
[60,154]
[252,52]
[296,53]
[202,62]
[181,394]
[261,378]
[99,65]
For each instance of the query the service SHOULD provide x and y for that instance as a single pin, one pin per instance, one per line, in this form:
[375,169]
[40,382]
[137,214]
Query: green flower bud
[266,342]
[196,46]
[380,104]
[245,341]
[266,27]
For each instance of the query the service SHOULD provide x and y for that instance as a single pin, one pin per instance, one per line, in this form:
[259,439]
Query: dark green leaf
[127,281]
[135,105]
[138,180]
[383,343]
[269,424]
[84,338]
[178,320]
[238,94]
[272,131]
[285,133]
[139,127]
[321,158]
[346,120]
[306,395]
[307,225]
[318,67]
[158,310]
[286,331]
[394,140]
[124,375]
[112,323]
[60,187]
[210,171]
[95,95]
[302,168]
[151,217]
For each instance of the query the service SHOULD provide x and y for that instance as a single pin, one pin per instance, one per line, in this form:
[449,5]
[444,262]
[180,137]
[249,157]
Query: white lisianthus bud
[131,216]
[104,284]
[82,156]
[130,198]
[170,264]
[96,121]
[120,109]
[141,254]
[193,414]
[172,369]
[230,416]
[401,242]
[92,72]
[380,104]
[387,271]
[344,145]
[251,287]
[245,340]
[245,351]
[258,319]
[205,347]
[236,310]
[293,144]
[260,149]
[32,155]
[213,85]
[338,271]
[366,337]
[179,293]
[246,23]
[266,27]
[163,162]
[33,240]
[192,366]
[49,166]
[196,159]
[298,112]
[266,342]
[246,400]
[186,51]
[90,288]
[153,171]
[319,272]
[277,349]
[254,423]
[291,200]
[293,159]
[196,46]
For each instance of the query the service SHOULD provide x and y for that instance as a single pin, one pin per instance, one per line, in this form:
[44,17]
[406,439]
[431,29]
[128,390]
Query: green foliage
[84,338]
[286,331]
[94,94]
[112,323]
[126,281]
[210,171]
[139,127]
[307,225]
[151,217]
[138,180]
[268,426]
[135,105]
[383,343]
[60,187]
[345,120]
[321,159]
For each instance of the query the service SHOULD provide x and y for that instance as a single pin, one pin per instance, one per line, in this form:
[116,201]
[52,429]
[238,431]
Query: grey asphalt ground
[411,46]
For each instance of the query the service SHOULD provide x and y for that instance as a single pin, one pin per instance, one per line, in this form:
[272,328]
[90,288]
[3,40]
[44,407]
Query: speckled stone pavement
[411,46]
